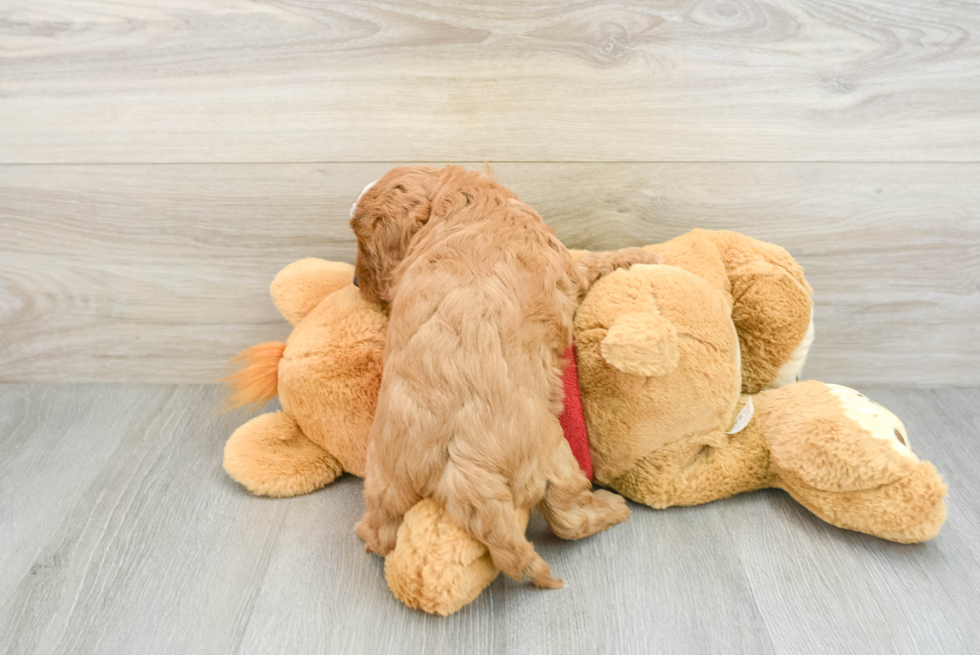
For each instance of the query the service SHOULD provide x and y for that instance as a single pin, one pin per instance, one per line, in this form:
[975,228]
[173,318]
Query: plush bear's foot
[436,565]
[847,459]
[694,471]
[270,456]
[300,287]
[909,510]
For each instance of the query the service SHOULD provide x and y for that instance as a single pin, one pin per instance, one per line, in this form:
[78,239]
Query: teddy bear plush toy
[683,389]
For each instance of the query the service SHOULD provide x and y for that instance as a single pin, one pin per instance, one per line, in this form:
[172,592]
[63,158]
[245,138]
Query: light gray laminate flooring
[120,533]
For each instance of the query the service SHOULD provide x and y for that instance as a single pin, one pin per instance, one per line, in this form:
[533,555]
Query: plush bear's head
[658,360]
[330,371]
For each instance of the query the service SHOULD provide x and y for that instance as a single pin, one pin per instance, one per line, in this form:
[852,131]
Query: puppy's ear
[385,221]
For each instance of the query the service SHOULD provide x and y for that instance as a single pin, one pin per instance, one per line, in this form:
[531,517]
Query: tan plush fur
[482,297]
[300,287]
[630,412]
[801,437]
[439,567]
[633,328]
[327,376]
[773,305]
[873,488]
[277,459]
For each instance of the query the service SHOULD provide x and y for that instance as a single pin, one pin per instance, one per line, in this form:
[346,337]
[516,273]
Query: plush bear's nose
[355,281]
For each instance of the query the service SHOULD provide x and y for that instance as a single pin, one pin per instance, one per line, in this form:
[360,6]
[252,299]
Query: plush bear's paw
[302,285]
[271,456]
[436,565]
[847,459]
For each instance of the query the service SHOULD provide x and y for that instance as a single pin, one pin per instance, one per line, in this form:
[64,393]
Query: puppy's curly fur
[482,297]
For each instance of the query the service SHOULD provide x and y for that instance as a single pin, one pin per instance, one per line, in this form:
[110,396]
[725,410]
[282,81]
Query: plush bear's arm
[300,287]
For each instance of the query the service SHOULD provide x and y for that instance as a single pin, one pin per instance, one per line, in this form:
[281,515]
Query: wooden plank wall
[160,160]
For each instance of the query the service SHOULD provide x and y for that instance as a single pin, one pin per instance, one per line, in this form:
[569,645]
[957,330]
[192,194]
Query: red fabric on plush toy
[572,417]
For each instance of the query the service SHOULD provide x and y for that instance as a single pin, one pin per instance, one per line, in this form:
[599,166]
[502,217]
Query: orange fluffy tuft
[257,382]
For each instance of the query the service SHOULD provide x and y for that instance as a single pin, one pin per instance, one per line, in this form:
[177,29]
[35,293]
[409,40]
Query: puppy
[482,297]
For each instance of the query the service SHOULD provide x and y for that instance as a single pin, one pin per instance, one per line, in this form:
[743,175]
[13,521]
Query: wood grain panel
[160,273]
[307,80]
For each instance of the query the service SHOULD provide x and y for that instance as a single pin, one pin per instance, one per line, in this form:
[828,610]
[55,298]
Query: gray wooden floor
[120,533]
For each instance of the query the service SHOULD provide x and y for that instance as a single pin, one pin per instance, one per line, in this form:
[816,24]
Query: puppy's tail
[257,382]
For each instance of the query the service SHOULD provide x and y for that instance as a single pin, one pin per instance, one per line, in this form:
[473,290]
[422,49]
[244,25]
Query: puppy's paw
[591,512]
[614,509]
[374,538]
[367,534]
[596,264]
[629,256]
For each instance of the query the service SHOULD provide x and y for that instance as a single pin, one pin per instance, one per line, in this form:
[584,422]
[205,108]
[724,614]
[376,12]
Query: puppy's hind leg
[571,508]
[385,510]
[482,503]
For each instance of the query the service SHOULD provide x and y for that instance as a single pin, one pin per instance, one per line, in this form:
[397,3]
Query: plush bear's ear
[302,285]
[641,343]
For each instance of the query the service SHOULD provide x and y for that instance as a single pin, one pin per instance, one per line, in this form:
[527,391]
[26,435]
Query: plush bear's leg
[695,471]
[436,565]
[847,459]
[271,456]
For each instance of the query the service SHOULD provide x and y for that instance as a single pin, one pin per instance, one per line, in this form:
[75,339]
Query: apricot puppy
[482,297]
